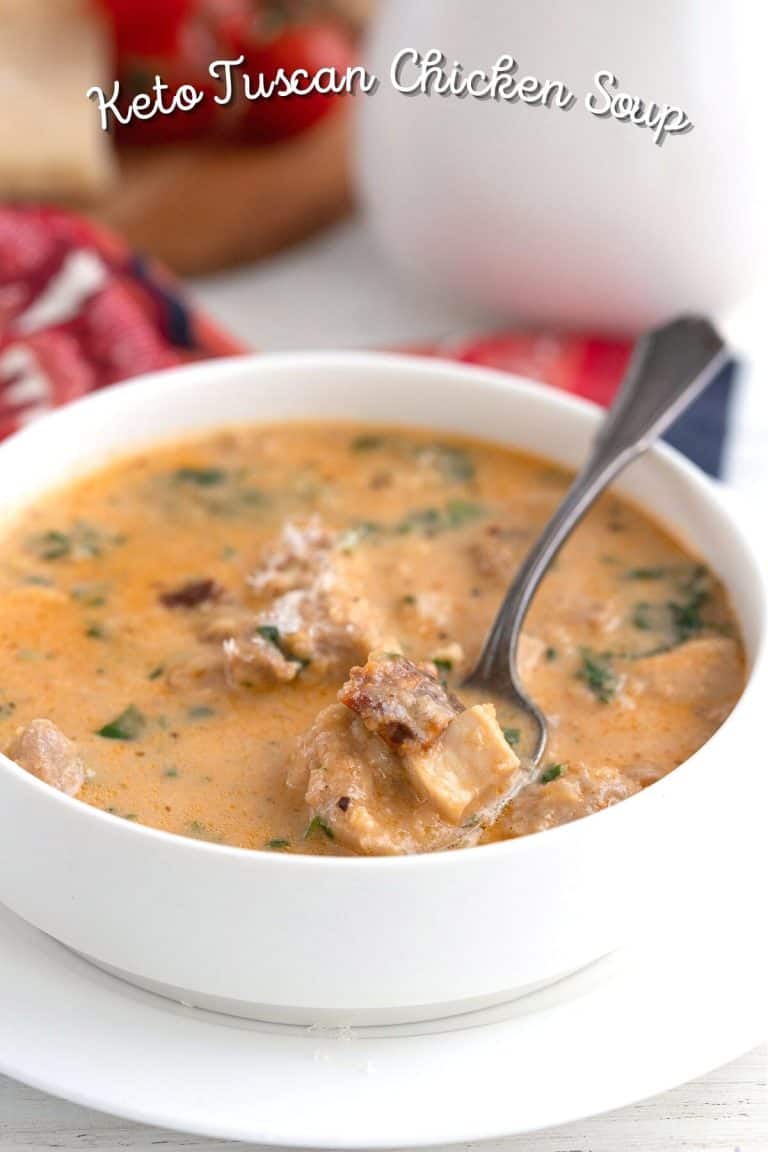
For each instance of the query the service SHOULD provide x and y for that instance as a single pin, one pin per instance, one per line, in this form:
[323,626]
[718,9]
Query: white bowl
[304,939]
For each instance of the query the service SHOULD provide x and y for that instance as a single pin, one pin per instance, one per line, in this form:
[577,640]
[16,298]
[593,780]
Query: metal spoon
[670,367]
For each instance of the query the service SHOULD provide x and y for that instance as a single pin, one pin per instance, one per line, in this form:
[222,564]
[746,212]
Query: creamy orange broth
[633,651]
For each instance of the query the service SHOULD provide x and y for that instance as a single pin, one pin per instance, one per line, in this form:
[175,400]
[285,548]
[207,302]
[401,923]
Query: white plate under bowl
[630,1026]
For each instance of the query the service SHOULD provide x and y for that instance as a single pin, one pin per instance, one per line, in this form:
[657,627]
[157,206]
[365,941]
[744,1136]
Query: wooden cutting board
[200,209]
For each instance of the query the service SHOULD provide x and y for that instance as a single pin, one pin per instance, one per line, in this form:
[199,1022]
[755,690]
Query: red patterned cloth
[588,366]
[79,310]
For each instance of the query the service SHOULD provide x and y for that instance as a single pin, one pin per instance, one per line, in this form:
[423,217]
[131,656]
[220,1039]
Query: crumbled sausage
[330,625]
[40,748]
[401,702]
[192,594]
[295,560]
[498,550]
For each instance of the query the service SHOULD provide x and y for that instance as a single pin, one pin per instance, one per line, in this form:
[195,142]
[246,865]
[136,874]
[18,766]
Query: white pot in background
[568,217]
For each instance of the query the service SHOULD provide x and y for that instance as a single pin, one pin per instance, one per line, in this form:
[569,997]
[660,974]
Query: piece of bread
[199,209]
[354,13]
[51,143]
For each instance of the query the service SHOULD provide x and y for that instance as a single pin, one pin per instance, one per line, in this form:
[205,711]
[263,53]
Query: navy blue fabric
[700,433]
[175,316]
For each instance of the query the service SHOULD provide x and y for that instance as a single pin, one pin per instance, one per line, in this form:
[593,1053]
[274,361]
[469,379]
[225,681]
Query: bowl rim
[704,489]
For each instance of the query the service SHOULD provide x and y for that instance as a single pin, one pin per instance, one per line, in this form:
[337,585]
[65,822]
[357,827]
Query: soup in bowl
[239,601]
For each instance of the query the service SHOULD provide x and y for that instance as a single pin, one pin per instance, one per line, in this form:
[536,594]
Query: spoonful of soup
[670,367]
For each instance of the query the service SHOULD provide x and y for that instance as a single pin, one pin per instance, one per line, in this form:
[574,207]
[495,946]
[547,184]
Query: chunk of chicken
[530,653]
[399,765]
[330,625]
[257,662]
[401,702]
[691,674]
[577,792]
[357,785]
[468,770]
[300,554]
[41,749]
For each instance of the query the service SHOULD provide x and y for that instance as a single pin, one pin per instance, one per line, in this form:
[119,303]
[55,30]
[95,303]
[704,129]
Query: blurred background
[519,237]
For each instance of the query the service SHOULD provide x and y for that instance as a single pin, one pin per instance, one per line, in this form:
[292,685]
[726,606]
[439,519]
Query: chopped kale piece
[269,633]
[127,726]
[201,477]
[366,443]
[455,464]
[598,675]
[317,824]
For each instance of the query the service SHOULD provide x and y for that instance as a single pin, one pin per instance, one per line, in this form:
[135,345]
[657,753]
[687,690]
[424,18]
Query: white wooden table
[335,292]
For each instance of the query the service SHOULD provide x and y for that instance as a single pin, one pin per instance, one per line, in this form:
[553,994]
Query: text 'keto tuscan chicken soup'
[255,637]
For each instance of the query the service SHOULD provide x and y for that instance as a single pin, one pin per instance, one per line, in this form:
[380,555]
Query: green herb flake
[53,545]
[89,595]
[317,824]
[83,541]
[550,655]
[461,512]
[453,463]
[201,712]
[512,736]
[156,672]
[551,773]
[200,477]
[171,773]
[442,664]
[681,618]
[366,443]
[643,617]
[269,633]
[127,726]
[409,599]
[277,845]
[655,573]
[96,632]
[431,521]
[686,618]
[598,675]
[199,831]
[350,539]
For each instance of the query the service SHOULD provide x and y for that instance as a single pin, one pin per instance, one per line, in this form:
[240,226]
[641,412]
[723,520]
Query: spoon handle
[670,367]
